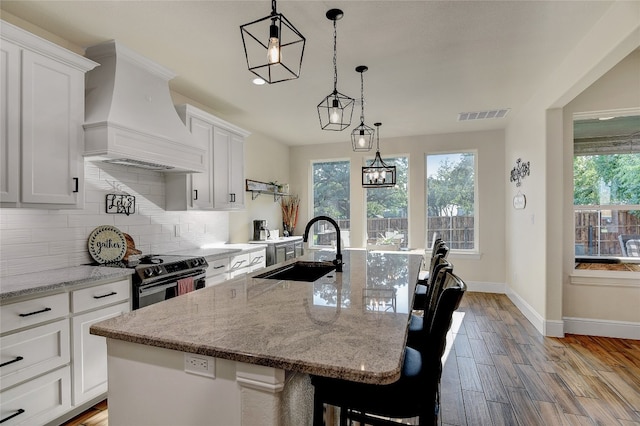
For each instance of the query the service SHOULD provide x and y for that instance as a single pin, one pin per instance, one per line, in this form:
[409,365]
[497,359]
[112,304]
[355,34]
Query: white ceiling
[428,60]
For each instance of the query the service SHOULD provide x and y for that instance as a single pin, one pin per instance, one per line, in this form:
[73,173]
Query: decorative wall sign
[520,171]
[107,244]
[121,204]
[519,201]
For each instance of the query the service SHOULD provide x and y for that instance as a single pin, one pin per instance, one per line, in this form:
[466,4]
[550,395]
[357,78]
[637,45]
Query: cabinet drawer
[26,354]
[218,267]
[34,311]
[37,401]
[238,265]
[257,260]
[101,295]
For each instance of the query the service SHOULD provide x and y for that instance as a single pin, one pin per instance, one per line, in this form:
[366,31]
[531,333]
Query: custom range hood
[130,118]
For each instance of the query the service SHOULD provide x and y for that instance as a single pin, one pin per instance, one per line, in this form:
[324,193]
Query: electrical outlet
[200,364]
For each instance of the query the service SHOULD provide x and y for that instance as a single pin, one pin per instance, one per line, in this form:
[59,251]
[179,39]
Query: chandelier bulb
[273,49]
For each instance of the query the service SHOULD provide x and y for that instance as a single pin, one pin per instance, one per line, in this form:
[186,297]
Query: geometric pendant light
[273,47]
[362,136]
[335,111]
[378,174]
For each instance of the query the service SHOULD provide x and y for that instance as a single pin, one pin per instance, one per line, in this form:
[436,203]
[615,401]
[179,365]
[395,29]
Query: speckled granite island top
[62,279]
[351,325]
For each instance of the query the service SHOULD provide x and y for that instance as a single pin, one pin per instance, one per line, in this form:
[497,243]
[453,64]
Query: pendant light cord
[335,57]
[273,8]
[362,97]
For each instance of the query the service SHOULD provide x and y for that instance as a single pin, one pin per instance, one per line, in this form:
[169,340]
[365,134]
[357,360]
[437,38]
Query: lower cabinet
[50,363]
[281,251]
[37,401]
[90,353]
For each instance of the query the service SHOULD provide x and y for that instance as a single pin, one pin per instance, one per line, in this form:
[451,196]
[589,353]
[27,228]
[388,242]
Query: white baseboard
[558,328]
[605,328]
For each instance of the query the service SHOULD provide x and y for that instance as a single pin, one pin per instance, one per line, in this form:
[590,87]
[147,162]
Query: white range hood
[130,118]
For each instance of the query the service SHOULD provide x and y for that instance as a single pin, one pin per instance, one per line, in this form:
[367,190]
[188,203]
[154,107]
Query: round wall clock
[107,244]
[519,201]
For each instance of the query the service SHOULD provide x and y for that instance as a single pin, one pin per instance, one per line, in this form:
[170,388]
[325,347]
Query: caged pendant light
[362,136]
[335,111]
[273,47]
[378,174]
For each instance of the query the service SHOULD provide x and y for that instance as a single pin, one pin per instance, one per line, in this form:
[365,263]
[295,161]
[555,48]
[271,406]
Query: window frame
[475,251]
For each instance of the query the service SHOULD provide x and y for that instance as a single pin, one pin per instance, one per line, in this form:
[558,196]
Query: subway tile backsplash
[34,240]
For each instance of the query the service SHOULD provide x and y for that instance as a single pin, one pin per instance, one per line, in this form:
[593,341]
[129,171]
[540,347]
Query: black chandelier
[378,174]
[335,110]
[362,136]
[273,47]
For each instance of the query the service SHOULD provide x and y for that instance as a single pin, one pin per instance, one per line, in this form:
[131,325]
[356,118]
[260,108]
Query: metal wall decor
[335,111]
[520,171]
[378,174]
[362,136]
[121,204]
[273,47]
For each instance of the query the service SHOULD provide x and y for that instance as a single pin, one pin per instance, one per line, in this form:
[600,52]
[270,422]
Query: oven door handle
[165,284]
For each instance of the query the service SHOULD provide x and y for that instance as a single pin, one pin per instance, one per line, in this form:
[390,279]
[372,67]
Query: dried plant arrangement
[290,207]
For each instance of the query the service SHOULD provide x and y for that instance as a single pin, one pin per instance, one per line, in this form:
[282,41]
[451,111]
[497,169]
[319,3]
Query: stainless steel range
[161,277]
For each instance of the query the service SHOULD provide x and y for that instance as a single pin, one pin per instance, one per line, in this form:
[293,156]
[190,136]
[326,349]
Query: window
[387,210]
[331,197]
[606,187]
[451,195]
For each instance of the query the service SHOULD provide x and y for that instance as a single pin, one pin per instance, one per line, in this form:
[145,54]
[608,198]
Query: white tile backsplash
[34,240]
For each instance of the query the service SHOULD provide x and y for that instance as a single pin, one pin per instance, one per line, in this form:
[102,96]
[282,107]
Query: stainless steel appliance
[156,277]
[260,230]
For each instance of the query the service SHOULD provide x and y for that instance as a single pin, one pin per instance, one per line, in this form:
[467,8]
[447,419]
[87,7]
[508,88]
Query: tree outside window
[331,197]
[451,189]
[387,209]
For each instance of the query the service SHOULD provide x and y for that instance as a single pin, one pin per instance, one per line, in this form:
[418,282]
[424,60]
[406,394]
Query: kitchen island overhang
[350,325]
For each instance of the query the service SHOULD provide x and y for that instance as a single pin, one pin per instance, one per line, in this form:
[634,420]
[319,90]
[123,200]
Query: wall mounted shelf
[256,188]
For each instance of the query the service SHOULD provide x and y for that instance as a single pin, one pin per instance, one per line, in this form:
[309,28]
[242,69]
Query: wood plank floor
[498,370]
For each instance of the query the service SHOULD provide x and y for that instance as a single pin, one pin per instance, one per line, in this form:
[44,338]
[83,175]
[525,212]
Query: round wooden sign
[107,244]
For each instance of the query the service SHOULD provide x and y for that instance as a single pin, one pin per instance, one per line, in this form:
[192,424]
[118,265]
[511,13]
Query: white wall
[535,248]
[488,268]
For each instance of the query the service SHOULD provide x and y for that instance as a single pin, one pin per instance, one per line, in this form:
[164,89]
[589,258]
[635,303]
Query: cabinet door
[236,172]
[10,121]
[201,196]
[228,170]
[52,116]
[281,253]
[90,353]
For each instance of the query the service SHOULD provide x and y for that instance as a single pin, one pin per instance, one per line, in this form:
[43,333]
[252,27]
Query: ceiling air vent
[483,115]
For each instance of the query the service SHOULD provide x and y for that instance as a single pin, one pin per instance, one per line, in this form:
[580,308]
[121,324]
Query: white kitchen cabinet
[89,306]
[42,102]
[37,401]
[228,170]
[217,271]
[257,260]
[51,367]
[90,353]
[221,186]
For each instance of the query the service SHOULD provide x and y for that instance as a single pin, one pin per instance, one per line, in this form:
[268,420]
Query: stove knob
[148,272]
[157,270]
[196,262]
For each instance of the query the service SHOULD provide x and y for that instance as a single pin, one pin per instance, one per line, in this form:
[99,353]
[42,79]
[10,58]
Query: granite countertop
[62,279]
[334,327]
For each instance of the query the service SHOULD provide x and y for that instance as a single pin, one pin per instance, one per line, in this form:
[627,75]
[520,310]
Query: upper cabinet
[42,112]
[221,186]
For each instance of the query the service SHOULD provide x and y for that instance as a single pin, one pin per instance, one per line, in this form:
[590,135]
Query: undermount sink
[300,271]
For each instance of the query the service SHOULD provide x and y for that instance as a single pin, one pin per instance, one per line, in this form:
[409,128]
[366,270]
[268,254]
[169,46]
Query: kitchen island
[250,344]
